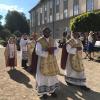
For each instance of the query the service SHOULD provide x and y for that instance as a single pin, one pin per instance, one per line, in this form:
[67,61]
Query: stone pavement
[20,85]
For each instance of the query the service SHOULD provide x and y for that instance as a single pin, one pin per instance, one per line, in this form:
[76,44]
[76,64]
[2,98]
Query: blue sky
[19,5]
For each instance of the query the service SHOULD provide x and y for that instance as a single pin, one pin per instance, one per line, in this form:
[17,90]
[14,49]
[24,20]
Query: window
[90,5]
[76,7]
[33,18]
[57,16]
[50,11]
[65,3]
[41,12]
[57,10]
[38,17]
[57,2]
[65,13]
[45,13]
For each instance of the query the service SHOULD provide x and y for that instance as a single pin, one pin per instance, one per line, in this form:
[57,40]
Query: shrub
[86,22]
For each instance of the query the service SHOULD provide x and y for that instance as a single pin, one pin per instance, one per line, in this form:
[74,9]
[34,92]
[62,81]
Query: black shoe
[45,96]
[54,94]
[90,59]
[85,88]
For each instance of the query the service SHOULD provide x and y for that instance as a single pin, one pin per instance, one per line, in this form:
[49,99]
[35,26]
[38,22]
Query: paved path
[20,85]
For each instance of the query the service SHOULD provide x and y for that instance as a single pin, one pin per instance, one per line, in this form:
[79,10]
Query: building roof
[36,5]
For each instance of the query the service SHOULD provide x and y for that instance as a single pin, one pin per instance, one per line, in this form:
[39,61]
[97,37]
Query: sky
[19,5]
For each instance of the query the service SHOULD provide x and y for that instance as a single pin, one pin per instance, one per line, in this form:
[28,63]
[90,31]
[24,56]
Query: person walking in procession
[47,68]
[11,53]
[24,53]
[64,53]
[75,74]
[32,57]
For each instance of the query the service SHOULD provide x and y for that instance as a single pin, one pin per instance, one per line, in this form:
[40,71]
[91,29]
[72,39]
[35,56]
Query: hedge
[86,22]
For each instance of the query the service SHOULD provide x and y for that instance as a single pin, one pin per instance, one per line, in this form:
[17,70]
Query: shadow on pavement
[74,93]
[30,72]
[19,77]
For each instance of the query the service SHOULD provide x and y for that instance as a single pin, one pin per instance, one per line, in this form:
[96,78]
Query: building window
[57,9]
[90,5]
[38,16]
[33,18]
[41,12]
[65,3]
[38,19]
[57,16]
[76,7]
[45,13]
[50,11]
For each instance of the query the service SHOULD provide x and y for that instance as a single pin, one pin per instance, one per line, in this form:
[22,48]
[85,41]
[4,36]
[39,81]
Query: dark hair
[46,30]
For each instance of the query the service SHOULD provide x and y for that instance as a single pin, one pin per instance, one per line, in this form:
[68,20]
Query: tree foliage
[16,21]
[5,34]
[86,22]
[1,27]
[17,33]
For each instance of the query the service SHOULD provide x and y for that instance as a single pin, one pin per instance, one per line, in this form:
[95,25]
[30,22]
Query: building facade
[56,14]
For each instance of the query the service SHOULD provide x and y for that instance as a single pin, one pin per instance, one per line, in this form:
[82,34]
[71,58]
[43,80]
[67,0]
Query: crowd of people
[89,41]
[39,55]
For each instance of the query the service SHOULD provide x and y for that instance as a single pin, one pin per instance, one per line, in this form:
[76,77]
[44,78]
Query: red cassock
[34,62]
[64,57]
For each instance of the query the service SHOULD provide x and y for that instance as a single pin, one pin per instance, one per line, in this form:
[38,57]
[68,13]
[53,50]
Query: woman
[85,45]
[11,53]
[90,47]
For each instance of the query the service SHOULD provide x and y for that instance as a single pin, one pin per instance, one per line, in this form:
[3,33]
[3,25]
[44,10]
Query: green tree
[86,22]
[17,33]
[1,27]
[16,21]
[5,34]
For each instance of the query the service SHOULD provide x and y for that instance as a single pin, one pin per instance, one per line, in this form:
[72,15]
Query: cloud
[5,8]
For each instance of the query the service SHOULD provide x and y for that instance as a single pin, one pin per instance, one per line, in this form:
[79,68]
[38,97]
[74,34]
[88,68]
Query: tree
[5,34]
[86,22]
[16,21]
[1,27]
[17,33]
[0,19]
